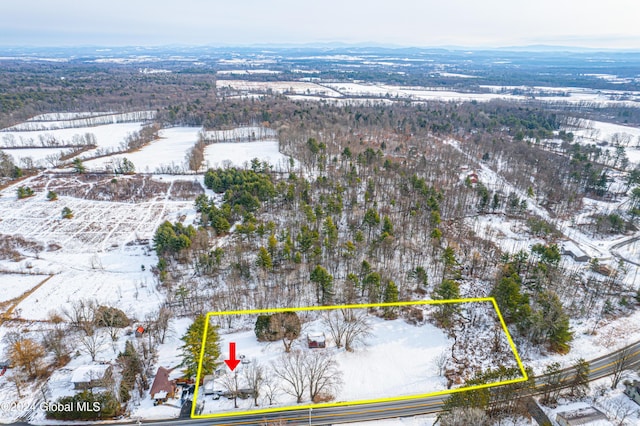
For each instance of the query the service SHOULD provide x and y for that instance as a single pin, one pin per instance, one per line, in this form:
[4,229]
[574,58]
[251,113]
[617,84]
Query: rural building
[633,391]
[587,416]
[91,376]
[162,388]
[569,248]
[317,340]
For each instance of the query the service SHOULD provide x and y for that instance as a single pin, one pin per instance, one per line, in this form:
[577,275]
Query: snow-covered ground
[613,403]
[237,154]
[168,153]
[92,258]
[289,87]
[397,359]
[79,120]
[14,285]
[109,137]
[314,90]
[599,132]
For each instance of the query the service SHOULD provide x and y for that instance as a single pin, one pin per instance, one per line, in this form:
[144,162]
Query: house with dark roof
[162,388]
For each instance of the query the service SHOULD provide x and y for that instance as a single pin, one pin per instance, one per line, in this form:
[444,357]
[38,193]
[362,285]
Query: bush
[67,213]
[84,406]
[24,192]
[106,316]
[278,326]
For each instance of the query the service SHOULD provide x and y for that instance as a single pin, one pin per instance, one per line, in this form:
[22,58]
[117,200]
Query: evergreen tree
[447,290]
[67,213]
[580,382]
[192,347]
[372,284]
[387,226]
[450,263]
[264,260]
[550,324]
[390,296]
[24,192]
[324,285]
[78,167]
[371,219]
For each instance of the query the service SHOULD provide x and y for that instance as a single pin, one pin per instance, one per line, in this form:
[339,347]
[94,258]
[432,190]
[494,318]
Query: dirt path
[10,305]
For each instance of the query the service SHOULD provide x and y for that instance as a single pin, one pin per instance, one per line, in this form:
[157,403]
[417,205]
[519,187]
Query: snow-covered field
[91,258]
[168,153]
[599,131]
[14,285]
[342,90]
[109,137]
[289,87]
[79,120]
[239,154]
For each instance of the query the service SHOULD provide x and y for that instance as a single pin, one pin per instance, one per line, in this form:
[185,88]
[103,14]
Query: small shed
[139,331]
[162,388]
[586,416]
[317,340]
[91,376]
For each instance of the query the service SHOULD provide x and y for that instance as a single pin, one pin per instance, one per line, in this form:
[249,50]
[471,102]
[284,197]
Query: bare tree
[92,344]
[290,367]
[158,323]
[347,327]
[323,375]
[621,410]
[441,362]
[53,160]
[271,389]
[148,356]
[254,376]
[81,314]
[18,378]
[622,361]
[56,342]
[232,385]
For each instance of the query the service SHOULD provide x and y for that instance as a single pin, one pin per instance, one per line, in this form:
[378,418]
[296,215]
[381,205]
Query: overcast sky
[473,23]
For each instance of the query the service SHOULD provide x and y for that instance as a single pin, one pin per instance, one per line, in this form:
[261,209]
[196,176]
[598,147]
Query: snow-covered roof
[86,373]
[316,337]
[160,395]
[572,249]
[586,415]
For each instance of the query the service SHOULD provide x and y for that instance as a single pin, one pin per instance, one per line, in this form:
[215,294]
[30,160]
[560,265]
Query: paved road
[600,367]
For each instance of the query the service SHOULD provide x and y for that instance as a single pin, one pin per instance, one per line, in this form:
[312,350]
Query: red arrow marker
[232,362]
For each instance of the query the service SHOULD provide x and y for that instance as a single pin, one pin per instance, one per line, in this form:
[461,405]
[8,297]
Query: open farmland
[95,254]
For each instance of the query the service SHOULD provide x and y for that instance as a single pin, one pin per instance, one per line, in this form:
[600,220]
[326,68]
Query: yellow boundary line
[492,300]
